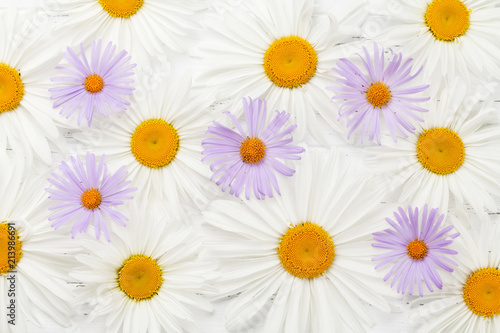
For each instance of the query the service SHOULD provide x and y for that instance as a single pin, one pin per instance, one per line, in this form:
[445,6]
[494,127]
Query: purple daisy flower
[416,252]
[382,91]
[95,86]
[247,160]
[87,192]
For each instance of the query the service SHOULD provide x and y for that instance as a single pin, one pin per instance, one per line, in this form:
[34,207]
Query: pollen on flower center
[11,88]
[252,150]
[91,198]
[416,249]
[10,248]
[121,8]
[378,94]
[94,83]
[440,150]
[140,277]
[447,19]
[155,143]
[306,250]
[482,292]
[290,62]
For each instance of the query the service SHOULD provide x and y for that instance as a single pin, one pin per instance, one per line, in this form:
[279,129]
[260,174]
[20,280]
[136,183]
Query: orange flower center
[416,249]
[91,198]
[94,83]
[140,277]
[378,94]
[252,150]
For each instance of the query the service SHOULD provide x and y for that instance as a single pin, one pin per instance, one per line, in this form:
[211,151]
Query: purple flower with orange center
[97,86]
[248,159]
[383,92]
[416,249]
[87,192]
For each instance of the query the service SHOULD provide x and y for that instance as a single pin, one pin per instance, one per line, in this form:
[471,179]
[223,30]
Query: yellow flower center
[91,198]
[252,150]
[10,248]
[447,19]
[290,62]
[140,277]
[94,83]
[482,292]
[416,249]
[155,143]
[11,88]
[121,8]
[306,250]
[378,94]
[440,150]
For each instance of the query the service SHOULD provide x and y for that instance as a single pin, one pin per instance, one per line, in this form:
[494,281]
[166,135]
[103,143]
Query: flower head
[95,86]
[417,248]
[379,92]
[247,159]
[88,193]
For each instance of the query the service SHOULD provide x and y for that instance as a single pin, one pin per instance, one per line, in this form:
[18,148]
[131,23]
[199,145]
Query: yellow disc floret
[121,8]
[440,150]
[155,143]
[447,19]
[94,83]
[11,88]
[290,62]
[140,277]
[482,292]
[416,249]
[306,250]
[91,198]
[252,150]
[378,94]
[10,248]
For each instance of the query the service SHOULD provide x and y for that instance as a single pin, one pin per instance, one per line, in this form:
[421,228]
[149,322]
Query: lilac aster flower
[95,86]
[416,248]
[87,192]
[381,91]
[248,159]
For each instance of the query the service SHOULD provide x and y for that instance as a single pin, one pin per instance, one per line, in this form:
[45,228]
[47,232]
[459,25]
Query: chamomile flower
[449,37]
[379,92]
[416,249]
[302,260]
[26,121]
[159,141]
[247,159]
[34,260]
[148,280]
[92,86]
[280,51]
[135,25]
[453,153]
[88,193]
[469,302]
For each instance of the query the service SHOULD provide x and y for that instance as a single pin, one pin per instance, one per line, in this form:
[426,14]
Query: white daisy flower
[448,37]
[302,260]
[469,303]
[33,260]
[159,142]
[26,117]
[280,51]
[152,25]
[454,153]
[148,280]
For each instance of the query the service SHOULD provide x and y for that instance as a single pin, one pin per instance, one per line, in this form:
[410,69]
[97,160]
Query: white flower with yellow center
[159,142]
[301,261]
[26,118]
[34,260]
[135,25]
[470,301]
[280,51]
[454,153]
[448,37]
[148,280]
